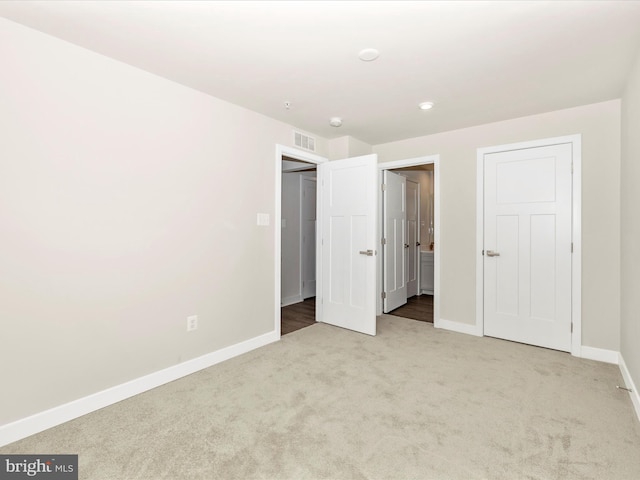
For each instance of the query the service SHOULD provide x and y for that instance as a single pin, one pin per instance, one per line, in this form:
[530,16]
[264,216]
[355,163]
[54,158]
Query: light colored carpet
[411,403]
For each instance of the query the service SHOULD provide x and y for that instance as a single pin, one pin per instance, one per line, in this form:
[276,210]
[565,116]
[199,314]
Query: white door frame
[576,231]
[277,223]
[412,162]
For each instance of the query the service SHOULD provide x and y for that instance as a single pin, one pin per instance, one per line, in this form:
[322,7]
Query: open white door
[348,236]
[394,227]
[413,238]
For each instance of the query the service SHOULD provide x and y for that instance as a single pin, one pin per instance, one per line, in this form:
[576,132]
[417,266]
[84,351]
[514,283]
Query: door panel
[348,236]
[394,226]
[543,279]
[413,237]
[507,241]
[527,241]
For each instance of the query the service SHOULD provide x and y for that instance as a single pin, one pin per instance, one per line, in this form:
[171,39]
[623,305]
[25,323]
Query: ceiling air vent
[304,141]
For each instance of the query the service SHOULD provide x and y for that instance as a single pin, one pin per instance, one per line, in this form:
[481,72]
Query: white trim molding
[286,301]
[466,328]
[628,383]
[600,354]
[576,233]
[39,422]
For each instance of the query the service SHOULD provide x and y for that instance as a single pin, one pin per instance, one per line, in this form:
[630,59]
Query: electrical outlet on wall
[192,323]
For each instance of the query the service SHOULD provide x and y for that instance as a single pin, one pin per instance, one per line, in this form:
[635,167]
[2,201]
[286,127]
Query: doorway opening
[298,244]
[409,226]
[348,262]
[295,304]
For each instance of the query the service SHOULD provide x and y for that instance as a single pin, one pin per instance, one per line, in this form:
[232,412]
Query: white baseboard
[458,327]
[25,427]
[291,300]
[628,382]
[600,354]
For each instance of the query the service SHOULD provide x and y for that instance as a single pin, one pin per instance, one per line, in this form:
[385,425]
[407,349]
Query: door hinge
[384,187]
[571,167]
[384,295]
[384,241]
[482,252]
[571,247]
[571,327]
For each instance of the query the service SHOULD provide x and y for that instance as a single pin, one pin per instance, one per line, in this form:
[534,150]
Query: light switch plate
[263,219]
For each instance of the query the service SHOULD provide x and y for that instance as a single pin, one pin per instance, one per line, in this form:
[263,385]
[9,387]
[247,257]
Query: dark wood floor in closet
[302,314]
[297,316]
[419,307]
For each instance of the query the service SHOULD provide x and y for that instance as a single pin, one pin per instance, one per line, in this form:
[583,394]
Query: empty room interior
[427,269]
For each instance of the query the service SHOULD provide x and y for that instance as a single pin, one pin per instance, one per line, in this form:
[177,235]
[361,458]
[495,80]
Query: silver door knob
[491,253]
[368,253]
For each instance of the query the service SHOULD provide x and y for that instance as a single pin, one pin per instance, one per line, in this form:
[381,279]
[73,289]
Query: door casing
[283,150]
[576,230]
[412,162]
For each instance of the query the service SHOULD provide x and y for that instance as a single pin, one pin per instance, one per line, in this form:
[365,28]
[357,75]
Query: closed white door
[348,236]
[413,238]
[308,234]
[527,246]
[394,206]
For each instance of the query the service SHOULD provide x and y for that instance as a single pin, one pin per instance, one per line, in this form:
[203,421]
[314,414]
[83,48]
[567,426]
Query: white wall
[630,226]
[346,147]
[599,125]
[128,202]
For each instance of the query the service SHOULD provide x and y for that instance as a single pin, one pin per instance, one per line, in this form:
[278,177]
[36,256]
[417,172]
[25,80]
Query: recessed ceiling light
[425,106]
[335,121]
[368,54]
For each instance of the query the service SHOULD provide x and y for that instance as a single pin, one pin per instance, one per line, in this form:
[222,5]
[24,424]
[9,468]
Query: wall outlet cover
[263,219]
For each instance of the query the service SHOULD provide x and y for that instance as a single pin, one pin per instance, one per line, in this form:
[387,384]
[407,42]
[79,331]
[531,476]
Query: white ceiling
[479,61]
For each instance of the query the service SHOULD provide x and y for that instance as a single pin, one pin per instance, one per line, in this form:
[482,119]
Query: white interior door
[308,235]
[413,238]
[394,206]
[348,236]
[527,242]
